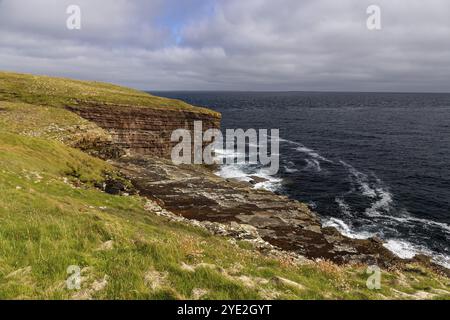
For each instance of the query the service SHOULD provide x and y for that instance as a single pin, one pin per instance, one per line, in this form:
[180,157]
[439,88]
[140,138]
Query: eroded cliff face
[141,130]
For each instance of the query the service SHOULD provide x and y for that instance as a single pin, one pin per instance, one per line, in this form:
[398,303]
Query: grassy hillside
[53,215]
[60,92]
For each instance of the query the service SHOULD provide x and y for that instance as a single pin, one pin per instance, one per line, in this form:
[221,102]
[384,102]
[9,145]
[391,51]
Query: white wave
[290,167]
[403,249]
[233,172]
[312,165]
[303,149]
[440,225]
[345,229]
[225,152]
[271,184]
[343,206]
[381,208]
[223,155]
[407,250]
[312,205]
[268,185]
[382,205]
[361,179]
[287,141]
[290,170]
[407,219]
[243,172]
[312,153]
[383,199]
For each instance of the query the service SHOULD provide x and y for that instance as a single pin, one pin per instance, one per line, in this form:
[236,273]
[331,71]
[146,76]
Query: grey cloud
[241,45]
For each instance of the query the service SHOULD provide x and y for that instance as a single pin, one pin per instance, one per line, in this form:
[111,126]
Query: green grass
[50,220]
[42,121]
[60,92]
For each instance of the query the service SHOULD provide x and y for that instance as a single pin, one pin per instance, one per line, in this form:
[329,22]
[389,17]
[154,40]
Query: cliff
[136,121]
[143,130]
[140,227]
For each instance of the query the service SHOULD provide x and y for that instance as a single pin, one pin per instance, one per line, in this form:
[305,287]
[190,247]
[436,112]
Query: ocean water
[368,163]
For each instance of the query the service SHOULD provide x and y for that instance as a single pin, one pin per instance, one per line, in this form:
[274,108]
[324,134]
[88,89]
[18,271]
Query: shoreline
[197,194]
[401,248]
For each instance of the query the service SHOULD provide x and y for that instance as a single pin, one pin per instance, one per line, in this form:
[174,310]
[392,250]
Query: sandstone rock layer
[142,130]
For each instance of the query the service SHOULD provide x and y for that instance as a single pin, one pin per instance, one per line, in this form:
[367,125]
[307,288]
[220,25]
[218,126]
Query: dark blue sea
[368,163]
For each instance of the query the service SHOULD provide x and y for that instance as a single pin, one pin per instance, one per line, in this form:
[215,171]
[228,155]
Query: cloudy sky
[233,44]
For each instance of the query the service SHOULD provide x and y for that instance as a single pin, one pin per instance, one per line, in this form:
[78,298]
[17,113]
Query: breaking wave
[290,167]
[312,165]
[401,248]
[380,217]
[345,229]
[407,250]
[246,172]
[309,152]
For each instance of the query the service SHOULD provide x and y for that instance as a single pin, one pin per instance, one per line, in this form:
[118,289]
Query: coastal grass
[40,121]
[50,220]
[61,92]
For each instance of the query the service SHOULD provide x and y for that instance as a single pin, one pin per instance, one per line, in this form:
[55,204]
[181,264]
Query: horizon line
[297,91]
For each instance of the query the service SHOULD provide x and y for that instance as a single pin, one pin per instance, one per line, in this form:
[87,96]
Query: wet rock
[117,185]
[376,240]
[256,180]
[114,187]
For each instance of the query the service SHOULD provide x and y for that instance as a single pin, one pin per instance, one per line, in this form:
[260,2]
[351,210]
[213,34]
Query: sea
[370,164]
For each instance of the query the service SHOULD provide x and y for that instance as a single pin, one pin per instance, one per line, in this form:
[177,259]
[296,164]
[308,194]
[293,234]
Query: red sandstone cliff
[141,130]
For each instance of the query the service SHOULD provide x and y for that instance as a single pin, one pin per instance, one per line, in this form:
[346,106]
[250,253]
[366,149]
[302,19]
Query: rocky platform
[195,192]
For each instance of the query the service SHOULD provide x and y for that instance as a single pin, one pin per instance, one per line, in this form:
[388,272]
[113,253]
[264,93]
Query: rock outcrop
[142,130]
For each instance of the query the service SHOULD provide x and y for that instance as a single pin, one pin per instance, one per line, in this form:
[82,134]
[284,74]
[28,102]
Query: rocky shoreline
[273,223]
